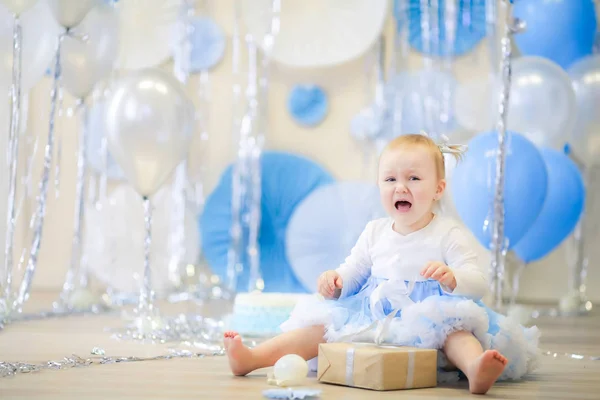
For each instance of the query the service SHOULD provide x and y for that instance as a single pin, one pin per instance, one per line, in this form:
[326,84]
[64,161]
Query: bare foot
[240,356]
[485,370]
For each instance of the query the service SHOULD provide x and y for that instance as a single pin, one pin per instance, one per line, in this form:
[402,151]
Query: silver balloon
[18,6]
[69,13]
[86,62]
[542,102]
[149,126]
[585,138]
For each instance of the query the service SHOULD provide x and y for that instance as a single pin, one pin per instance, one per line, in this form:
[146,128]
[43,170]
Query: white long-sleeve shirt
[382,252]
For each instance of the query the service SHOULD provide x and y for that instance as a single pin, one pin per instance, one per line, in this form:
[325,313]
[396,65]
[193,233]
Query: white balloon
[149,126]
[585,138]
[542,102]
[113,242]
[290,369]
[18,6]
[476,104]
[147,31]
[84,63]
[40,36]
[70,13]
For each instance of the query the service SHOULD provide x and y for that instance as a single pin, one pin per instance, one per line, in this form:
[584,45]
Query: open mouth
[403,205]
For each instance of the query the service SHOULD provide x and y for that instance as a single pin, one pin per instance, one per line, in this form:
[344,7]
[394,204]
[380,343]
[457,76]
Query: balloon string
[75,267]
[146,300]
[234,252]
[13,154]
[40,214]
[498,239]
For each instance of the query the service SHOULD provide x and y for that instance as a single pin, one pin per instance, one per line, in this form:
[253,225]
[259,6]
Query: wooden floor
[209,378]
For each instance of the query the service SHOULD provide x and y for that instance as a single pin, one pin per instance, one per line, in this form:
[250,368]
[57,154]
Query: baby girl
[415,271]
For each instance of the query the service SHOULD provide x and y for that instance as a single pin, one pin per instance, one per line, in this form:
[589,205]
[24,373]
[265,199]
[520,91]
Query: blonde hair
[437,150]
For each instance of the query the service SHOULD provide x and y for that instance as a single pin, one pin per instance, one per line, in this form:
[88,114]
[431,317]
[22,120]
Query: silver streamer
[96,309]
[498,244]
[428,22]
[99,357]
[573,356]
[202,168]
[13,154]
[8,369]
[40,213]
[450,20]
[234,253]
[252,154]
[177,223]
[381,108]
[179,187]
[58,144]
[146,301]
[75,267]
[579,262]
[250,132]
[259,109]
[188,330]
[400,62]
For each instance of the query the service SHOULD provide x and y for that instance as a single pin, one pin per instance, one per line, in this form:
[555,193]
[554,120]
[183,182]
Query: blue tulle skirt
[426,323]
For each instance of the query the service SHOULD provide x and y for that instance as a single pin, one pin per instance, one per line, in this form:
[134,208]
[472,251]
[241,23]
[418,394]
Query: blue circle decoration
[525,186]
[208,44]
[93,151]
[287,179]
[470,27]
[562,209]
[562,31]
[327,224]
[308,104]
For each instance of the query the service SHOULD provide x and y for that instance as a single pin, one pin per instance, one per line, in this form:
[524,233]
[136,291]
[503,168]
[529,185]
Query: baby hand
[328,282]
[441,273]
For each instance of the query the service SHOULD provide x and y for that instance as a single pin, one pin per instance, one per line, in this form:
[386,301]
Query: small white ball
[290,369]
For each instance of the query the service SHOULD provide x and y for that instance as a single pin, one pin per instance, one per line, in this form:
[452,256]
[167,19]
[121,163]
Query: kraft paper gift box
[369,366]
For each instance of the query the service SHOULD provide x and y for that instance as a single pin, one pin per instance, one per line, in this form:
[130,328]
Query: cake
[260,314]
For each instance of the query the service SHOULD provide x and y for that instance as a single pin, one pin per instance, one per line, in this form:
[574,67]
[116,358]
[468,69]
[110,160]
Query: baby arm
[357,267]
[469,277]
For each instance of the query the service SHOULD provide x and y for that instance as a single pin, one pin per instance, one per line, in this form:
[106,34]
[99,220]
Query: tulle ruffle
[424,324]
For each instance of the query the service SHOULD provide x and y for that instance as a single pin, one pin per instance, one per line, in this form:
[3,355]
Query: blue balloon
[470,27]
[287,179]
[561,30]
[525,186]
[562,209]
[308,104]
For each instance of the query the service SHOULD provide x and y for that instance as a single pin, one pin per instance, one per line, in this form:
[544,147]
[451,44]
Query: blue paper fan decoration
[308,104]
[208,44]
[470,26]
[327,224]
[286,180]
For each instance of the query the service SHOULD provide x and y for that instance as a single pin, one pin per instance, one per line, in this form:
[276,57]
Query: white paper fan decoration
[146,31]
[114,240]
[327,224]
[317,33]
